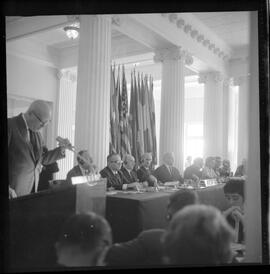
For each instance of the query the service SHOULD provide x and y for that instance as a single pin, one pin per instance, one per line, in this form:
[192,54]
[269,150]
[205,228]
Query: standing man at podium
[26,152]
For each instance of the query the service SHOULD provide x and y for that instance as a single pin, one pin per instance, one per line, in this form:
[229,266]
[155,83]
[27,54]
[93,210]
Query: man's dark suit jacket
[24,165]
[113,180]
[143,175]
[128,178]
[192,170]
[75,171]
[163,175]
[146,249]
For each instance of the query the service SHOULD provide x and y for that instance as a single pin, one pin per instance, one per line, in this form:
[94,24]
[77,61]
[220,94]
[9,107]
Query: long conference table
[36,219]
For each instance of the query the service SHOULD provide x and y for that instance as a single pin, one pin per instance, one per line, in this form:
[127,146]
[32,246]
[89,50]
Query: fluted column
[172,102]
[93,88]
[213,114]
[242,82]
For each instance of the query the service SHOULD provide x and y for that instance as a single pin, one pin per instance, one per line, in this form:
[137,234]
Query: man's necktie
[33,142]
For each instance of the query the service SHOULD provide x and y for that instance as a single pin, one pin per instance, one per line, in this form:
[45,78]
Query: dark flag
[123,118]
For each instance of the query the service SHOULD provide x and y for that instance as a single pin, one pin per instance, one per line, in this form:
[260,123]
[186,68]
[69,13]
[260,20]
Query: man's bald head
[38,115]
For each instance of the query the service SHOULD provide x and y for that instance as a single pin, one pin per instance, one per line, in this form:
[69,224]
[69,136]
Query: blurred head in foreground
[179,199]
[198,235]
[83,241]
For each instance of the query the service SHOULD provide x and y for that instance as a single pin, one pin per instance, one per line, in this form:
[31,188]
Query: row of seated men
[196,235]
[121,175]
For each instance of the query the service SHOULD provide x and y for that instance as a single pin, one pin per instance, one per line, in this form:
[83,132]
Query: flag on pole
[146,113]
[152,120]
[140,137]
[123,118]
[133,118]
[113,125]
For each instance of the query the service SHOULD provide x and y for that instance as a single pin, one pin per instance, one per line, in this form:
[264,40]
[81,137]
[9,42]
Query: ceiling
[231,27]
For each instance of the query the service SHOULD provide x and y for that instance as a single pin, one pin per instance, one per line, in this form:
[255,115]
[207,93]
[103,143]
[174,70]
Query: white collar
[25,122]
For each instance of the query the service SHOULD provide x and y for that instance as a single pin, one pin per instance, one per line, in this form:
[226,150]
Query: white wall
[26,78]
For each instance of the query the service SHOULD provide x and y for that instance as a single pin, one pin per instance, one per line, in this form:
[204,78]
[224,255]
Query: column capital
[59,74]
[228,81]
[174,53]
[215,76]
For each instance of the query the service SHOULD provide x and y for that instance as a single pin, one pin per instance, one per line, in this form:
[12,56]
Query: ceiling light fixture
[72,31]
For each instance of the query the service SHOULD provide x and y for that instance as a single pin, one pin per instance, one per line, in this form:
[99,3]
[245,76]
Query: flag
[117,103]
[133,119]
[140,137]
[112,147]
[152,121]
[148,147]
[123,118]
[114,113]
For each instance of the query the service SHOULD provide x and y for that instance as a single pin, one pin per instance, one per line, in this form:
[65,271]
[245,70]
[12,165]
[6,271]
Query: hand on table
[135,185]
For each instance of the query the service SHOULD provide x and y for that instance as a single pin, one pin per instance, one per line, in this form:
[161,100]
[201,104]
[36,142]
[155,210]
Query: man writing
[26,153]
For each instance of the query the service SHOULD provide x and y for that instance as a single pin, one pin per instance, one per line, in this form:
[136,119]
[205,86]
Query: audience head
[146,160]
[83,241]
[129,161]
[234,191]
[168,158]
[198,162]
[85,161]
[218,162]
[198,235]
[210,162]
[114,162]
[178,200]
[38,115]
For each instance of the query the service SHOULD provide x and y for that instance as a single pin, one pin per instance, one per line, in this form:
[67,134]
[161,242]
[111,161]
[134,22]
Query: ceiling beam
[27,26]
[166,30]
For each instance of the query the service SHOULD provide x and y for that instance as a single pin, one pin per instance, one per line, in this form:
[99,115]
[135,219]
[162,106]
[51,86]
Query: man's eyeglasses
[117,161]
[41,122]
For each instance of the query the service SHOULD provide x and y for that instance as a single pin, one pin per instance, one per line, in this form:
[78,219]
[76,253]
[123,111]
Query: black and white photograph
[135,138]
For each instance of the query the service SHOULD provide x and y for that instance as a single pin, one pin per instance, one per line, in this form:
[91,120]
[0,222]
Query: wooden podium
[36,220]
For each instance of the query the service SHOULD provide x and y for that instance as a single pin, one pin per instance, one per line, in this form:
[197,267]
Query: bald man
[167,172]
[26,153]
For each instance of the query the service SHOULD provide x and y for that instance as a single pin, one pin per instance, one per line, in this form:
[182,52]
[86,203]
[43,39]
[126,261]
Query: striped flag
[140,137]
[146,114]
[114,113]
[133,118]
[123,118]
[113,136]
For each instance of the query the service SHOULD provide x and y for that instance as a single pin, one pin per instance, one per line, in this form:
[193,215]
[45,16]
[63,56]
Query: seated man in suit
[83,241]
[146,249]
[85,166]
[194,172]
[145,173]
[112,172]
[208,171]
[241,169]
[198,235]
[130,180]
[167,172]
